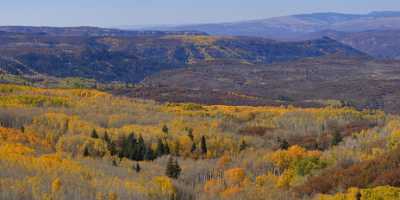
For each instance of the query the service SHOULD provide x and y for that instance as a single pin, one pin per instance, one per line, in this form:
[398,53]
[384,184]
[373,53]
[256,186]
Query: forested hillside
[108,55]
[86,144]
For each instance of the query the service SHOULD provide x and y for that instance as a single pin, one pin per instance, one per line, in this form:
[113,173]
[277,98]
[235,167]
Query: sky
[114,13]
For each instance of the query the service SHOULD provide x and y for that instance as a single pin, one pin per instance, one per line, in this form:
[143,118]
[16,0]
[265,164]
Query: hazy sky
[110,13]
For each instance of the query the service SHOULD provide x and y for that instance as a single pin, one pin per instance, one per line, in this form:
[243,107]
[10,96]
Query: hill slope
[130,58]
[377,43]
[310,82]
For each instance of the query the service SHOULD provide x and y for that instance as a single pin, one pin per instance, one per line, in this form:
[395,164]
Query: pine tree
[149,154]
[131,145]
[106,138]
[110,144]
[140,149]
[166,148]
[86,151]
[193,149]
[94,134]
[284,144]
[337,138]
[203,145]
[137,168]
[190,134]
[160,151]
[22,129]
[173,169]
[112,148]
[165,129]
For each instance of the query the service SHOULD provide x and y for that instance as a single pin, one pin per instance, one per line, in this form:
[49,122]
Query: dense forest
[62,144]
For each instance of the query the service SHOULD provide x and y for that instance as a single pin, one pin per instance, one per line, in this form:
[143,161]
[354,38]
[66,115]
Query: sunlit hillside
[85,144]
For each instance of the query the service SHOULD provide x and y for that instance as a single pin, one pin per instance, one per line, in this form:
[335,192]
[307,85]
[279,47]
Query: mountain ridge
[287,27]
[132,58]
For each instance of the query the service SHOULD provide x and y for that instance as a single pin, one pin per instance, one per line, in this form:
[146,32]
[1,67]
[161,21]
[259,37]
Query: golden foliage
[234,176]
[163,186]
[56,185]
[381,192]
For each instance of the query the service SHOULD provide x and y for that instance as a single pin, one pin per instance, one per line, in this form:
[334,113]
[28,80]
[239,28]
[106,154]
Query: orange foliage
[234,176]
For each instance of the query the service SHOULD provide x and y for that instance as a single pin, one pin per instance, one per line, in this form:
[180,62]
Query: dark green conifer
[140,149]
[94,134]
[190,134]
[194,147]
[86,151]
[149,153]
[160,150]
[337,138]
[173,169]
[106,138]
[284,144]
[203,145]
[166,148]
[165,129]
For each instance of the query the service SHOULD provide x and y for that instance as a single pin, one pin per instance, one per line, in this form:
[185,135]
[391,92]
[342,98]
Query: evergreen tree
[284,144]
[173,169]
[160,150]
[110,144]
[22,129]
[86,151]
[140,149]
[114,163]
[94,134]
[337,138]
[106,138]
[149,154]
[165,129]
[112,148]
[203,145]
[194,147]
[166,148]
[131,145]
[137,168]
[190,134]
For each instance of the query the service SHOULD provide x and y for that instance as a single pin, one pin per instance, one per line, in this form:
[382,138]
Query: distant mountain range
[375,33]
[129,56]
[291,27]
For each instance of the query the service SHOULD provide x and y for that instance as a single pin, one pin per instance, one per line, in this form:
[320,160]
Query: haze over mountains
[291,27]
[376,33]
[114,55]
